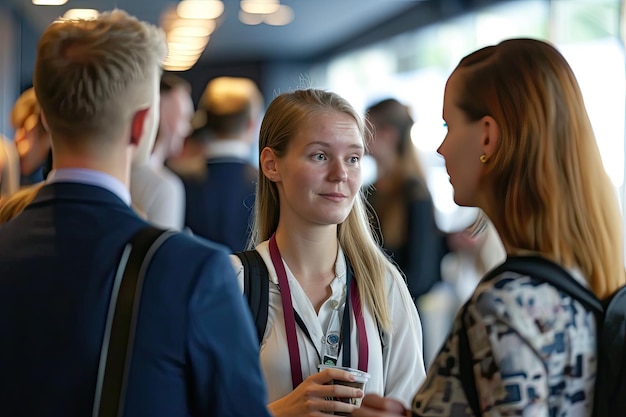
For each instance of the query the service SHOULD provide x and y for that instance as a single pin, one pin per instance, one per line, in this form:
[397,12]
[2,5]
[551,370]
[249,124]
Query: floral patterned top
[534,351]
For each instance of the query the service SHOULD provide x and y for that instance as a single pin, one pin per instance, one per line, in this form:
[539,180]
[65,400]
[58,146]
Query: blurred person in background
[156,191]
[31,139]
[220,197]
[473,251]
[9,168]
[401,199]
[190,161]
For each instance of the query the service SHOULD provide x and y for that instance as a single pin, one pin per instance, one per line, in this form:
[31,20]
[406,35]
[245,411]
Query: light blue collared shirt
[91,177]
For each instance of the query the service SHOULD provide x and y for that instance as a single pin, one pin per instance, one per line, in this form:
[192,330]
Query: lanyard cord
[291,317]
[290,322]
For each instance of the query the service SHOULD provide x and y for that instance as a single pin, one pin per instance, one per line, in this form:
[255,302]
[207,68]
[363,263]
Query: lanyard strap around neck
[290,322]
[361,332]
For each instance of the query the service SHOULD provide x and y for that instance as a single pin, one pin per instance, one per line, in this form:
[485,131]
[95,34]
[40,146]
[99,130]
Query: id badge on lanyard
[332,338]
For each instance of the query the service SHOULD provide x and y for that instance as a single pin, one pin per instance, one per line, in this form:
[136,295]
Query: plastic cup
[360,379]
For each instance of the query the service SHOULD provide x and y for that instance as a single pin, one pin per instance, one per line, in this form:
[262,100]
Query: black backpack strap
[119,331]
[548,271]
[466,365]
[611,371]
[256,288]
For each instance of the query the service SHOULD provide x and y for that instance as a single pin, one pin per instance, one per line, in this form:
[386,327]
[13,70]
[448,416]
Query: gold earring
[483,158]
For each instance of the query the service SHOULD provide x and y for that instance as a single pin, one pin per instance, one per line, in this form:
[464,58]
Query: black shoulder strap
[466,365]
[538,268]
[119,331]
[548,271]
[256,288]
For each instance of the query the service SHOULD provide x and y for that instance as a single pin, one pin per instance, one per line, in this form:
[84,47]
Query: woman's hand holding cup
[334,390]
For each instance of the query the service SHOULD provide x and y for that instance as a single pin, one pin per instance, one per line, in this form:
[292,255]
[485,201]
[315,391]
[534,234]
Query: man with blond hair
[219,199]
[194,350]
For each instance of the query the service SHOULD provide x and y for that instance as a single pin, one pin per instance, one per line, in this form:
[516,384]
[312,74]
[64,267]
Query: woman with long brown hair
[521,147]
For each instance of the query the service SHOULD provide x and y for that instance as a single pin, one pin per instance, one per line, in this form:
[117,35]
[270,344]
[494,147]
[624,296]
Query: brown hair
[551,192]
[391,113]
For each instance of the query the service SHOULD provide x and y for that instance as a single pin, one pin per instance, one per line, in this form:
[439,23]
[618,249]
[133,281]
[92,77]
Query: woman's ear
[269,164]
[491,135]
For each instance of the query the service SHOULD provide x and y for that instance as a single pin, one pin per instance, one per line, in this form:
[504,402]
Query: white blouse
[397,371]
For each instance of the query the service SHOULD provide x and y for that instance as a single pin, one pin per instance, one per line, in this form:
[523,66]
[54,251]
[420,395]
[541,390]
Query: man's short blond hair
[92,75]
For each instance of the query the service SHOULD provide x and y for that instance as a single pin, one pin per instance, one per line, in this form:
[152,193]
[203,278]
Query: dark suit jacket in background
[195,351]
[219,203]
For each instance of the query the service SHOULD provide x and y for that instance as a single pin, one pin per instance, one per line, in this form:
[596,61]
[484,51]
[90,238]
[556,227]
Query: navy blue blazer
[195,351]
[219,204]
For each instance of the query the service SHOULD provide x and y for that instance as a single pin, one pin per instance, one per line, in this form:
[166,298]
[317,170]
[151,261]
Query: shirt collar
[90,177]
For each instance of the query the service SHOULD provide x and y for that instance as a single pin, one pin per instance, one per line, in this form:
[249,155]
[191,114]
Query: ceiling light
[49,2]
[190,32]
[88,14]
[187,42]
[282,17]
[249,18]
[207,24]
[200,9]
[260,6]
[176,49]
[177,67]
[174,65]
[184,52]
[180,60]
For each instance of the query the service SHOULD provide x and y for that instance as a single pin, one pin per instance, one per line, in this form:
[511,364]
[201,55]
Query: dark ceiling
[318,25]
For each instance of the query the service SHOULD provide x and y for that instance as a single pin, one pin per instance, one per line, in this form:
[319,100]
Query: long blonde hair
[14,204]
[551,192]
[282,119]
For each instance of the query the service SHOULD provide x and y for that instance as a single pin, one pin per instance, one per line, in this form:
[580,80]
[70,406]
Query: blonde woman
[520,146]
[326,272]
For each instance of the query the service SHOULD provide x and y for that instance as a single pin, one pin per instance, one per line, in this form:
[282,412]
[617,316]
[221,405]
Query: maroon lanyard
[290,321]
